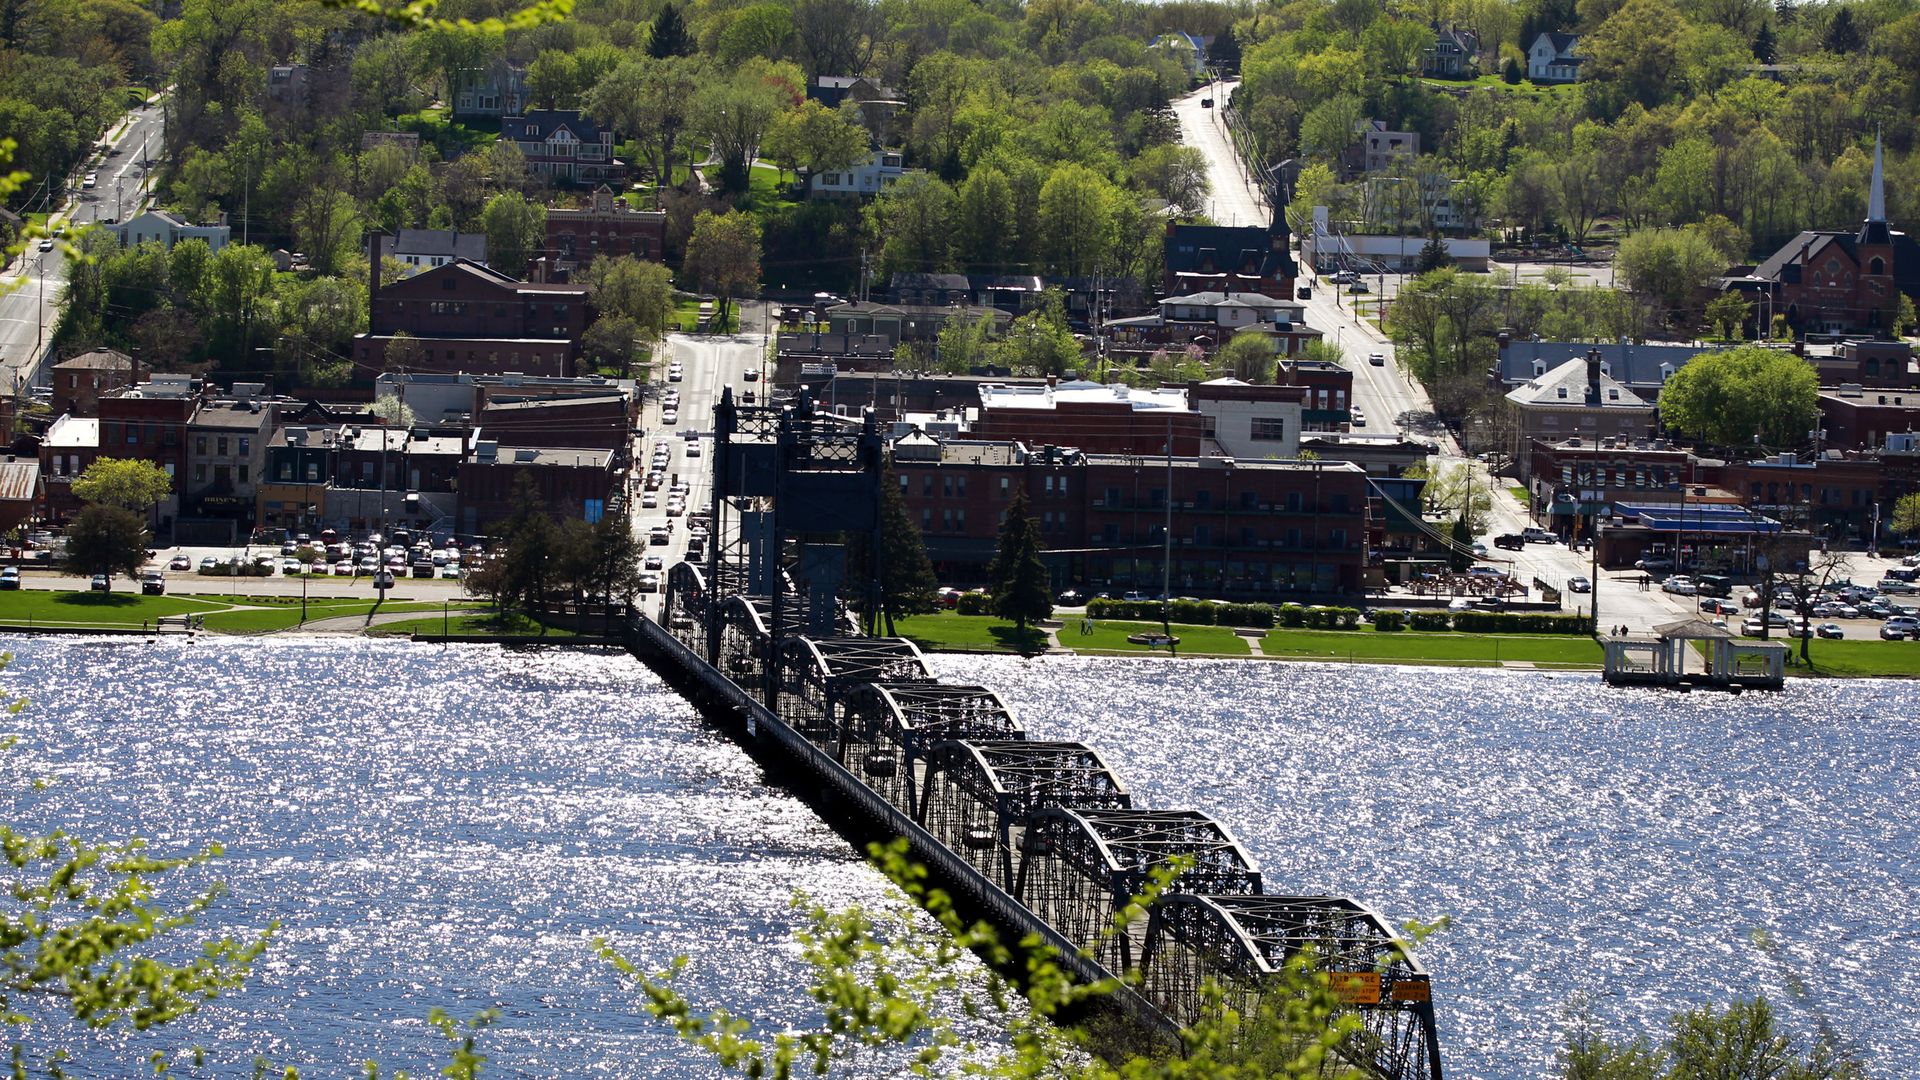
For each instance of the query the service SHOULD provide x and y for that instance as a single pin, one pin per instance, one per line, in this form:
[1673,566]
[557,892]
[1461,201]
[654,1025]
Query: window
[313,472]
[246,446]
[903,485]
[1269,429]
[1063,485]
[1049,487]
[284,472]
[199,474]
[960,519]
[946,486]
[200,446]
[960,486]
[946,520]
[221,446]
[1004,483]
[243,472]
[926,486]
[926,520]
[1113,496]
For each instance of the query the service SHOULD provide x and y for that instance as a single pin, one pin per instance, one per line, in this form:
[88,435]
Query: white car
[1680,585]
[649,501]
[675,373]
[670,416]
[92,179]
[693,449]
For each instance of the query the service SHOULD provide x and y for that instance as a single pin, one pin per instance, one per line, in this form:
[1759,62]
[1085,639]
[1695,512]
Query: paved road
[30,306]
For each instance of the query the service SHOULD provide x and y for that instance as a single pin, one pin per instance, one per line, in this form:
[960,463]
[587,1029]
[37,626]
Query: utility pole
[1166,556]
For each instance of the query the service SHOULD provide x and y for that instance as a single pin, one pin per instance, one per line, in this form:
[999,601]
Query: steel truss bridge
[1041,834]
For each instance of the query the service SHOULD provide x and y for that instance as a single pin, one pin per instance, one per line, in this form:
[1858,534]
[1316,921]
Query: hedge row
[1189,612]
[974,603]
[1204,613]
[227,569]
[1516,622]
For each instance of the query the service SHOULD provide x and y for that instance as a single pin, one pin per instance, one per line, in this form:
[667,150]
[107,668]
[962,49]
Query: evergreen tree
[669,37]
[1021,592]
[1433,255]
[907,582]
[1511,73]
[1462,534]
[1843,37]
[1786,11]
[533,547]
[1225,52]
[1765,50]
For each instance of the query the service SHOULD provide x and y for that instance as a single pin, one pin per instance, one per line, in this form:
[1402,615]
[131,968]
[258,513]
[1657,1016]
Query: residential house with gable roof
[1217,258]
[564,145]
[1553,58]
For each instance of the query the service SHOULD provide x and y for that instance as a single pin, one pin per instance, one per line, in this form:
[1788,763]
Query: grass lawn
[763,186]
[1519,494]
[1856,659]
[1495,82]
[948,632]
[476,623]
[434,125]
[287,616]
[1406,646]
[30,607]
[686,317]
[1111,637]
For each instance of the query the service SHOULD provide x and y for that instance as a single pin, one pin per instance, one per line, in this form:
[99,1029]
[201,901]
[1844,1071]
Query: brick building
[1217,258]
[603,422]
[78,381]
[1571,481]
[1259,529]
[1858,417]
[226,451]
[1578,399]
[573,483]
[69,446]
[1836,495]
[469,318]
[1091,416]
[607,225]
[148,421]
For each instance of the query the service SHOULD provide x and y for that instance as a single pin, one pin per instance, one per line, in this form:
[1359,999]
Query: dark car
[1510,541]
[1070,598]
[153,584]
[10,577]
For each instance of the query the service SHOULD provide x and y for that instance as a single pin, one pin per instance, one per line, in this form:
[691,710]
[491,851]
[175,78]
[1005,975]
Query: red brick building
[602,422]
[1094,417]
[1861,417]
[78,381]
[1570,481]
[1836,495]
[607,225]
[468,318]
[149,422]
[1247,530]
[574,483]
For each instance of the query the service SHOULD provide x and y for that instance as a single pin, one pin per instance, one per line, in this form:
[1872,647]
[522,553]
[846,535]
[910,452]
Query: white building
[865,180]
[424,249]
[1552,58]
[167,230]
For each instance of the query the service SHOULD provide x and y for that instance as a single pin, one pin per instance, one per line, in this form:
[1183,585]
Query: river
[452,826]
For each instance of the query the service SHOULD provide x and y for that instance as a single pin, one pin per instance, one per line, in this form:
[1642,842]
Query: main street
[30,307]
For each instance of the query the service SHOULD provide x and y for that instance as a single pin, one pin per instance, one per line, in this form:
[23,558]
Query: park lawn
[1404,646]
[1856,659]
[258,620]
[473,623]
[1111,637]
[686,317]
[950,632]
[763,186]
[433,125]
[31,607]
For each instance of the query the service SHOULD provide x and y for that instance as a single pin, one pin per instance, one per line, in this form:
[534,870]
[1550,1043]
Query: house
[70,445]
[1867,363]
[809,356]
[1376,150]
[1111,418]
[78,381]
[163,228]
[878,103]
[1189,50]
[1828,282]
[896,323]
[1643,368]
[607,225]
[564,146]
[572,483]
[1834,494]
[1210,318]
[1570,481]
[463,317]
[881,170]
[424,249]
[459,400]
[1328,247]
[399,476]
[1578,398]
[1454,54]
[290,488]
[20,491]
[1327,407]
[1218,258]
[1552,58]
[287,86]
[917,288]
[493,92]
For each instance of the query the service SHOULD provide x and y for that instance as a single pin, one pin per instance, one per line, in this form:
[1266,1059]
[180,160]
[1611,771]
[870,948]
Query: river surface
[452,827]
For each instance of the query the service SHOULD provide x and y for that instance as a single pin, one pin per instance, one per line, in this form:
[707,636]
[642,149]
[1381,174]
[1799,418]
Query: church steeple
[1874,229]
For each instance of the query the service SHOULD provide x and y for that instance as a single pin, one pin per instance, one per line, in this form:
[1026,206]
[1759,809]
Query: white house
[424,249]
[864,181]
[1552,58]
[167,230]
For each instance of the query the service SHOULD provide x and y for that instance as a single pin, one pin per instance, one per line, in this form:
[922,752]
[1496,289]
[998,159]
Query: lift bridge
[1042,835]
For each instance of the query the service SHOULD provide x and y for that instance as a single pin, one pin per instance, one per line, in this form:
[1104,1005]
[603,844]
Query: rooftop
[19,479]
[241,415]
[72,432]
[97,360]
[1002,396]
[494,454]
[1567,386]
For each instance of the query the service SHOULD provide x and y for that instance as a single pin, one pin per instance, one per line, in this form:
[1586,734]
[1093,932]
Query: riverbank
[950,632]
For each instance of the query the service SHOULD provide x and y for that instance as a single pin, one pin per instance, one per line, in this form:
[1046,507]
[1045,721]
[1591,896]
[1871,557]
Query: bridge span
[1042,836]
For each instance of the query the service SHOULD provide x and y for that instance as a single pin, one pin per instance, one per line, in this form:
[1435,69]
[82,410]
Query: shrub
[1428,620]
[1193,612]
[1291,615]
[1343,618]
[1513,622]
[1389,620]
[975,603]
[1255,615]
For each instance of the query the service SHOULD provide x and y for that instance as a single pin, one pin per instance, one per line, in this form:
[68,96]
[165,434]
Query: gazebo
[1662,658]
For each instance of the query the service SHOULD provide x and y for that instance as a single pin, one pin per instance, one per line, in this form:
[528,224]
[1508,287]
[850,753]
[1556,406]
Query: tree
[1842,37]
[913,220]
[1905,518]
[723,254]
[1022,591]
[106,540]
[1433,255]
[1248,356]
[1225,51]
[669,36]
[1393,45]
[1765,50]
[907,582]
[532,547]
[326,222]
[516,227]
[985,223]
[393,410]
[1039,342]
[1077,220]
[1667,266]
[636,289]
[1728,315]
[817,139]
[1176,174]
[1462,492]
[404,352]
[733,113]
[613,341]
[649,100]
[1738,396]
[1330,127]
[124,483]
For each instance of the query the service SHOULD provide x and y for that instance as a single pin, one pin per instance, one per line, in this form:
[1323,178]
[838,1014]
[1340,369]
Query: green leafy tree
[1843,35]
[1731,398]
[516,227]
[530,566]
[1175,174]
[1039,342]
[1078,223]
[637,289]
[1022,592]
[1248,356]
[733,113]
[986,225]
[1666,266]
[1727,313]
[914,222]
[126,483]
[1433,255]
[816,139]
[613,341]
[106,540]
[1905,518]
[649,100]
[723,254]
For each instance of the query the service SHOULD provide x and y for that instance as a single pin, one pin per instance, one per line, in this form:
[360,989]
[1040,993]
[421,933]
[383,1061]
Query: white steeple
[1877,193]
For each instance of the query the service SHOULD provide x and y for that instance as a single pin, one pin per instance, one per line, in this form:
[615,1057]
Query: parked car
[101,584]
[1070,598]
[1716,606]
[1538,536]
[209,563]
[1679,585]
[1579,583]
[1906,625]
[343,568]
[1510,541]
[1479,550]
[152,584]
[1752,627]
[1830,630]
[9,577]
[1653,563]
[1359,287]
[1893,633]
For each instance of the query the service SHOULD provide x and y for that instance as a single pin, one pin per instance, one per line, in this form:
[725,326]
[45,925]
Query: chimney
[1593,376]
[373,265]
